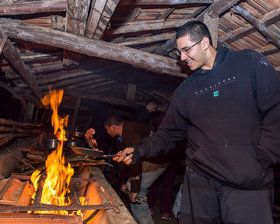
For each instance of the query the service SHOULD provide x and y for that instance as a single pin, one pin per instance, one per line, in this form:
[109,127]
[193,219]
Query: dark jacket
[231,116]
[141,115]
[132,134]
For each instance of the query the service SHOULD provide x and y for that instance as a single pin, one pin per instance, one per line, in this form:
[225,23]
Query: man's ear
[205,43]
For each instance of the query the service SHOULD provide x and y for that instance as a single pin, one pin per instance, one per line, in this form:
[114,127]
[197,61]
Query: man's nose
[183,56]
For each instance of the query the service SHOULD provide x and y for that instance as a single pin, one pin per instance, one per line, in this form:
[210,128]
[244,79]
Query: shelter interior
[112,54]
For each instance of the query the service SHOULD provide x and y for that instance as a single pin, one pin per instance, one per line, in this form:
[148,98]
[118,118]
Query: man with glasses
[229,108]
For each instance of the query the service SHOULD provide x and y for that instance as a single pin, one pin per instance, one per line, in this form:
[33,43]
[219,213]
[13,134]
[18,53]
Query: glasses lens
[177,52]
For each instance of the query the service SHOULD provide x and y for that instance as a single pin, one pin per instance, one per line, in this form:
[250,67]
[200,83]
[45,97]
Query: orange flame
[56,184]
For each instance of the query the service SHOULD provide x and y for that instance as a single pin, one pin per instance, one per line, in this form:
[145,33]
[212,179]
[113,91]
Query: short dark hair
[152,101]
[195,29]
[113,119]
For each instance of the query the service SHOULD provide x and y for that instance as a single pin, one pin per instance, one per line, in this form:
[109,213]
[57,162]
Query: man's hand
[132,196]
[90,132]
[124,188]
[124,156]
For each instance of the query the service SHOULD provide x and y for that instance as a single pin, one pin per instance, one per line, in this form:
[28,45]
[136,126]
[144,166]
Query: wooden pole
[96,48]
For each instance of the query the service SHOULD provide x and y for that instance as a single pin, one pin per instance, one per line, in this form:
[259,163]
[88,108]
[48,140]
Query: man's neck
[120,130]
[210,58]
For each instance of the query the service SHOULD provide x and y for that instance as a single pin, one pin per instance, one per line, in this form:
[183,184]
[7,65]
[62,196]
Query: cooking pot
[73,143]
[51,143]
[78,133]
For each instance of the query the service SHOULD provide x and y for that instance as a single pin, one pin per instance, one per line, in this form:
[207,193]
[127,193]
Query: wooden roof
[119,51]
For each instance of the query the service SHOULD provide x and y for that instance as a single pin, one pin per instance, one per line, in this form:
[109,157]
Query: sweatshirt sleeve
[268,102]
[173,129]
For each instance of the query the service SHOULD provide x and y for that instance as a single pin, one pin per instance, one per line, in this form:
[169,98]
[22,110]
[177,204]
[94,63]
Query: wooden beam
[110,100]
[27,7]
[133,27]
[33,57]
[134,14]
[165,2]
[268,49]
[146,40]
[2,43]
[94,84]
[76,17]
[101,49]
[66,82]
[166,13]
[14,58]
[96,11]
[268,19]
[57,22]
[105,18]
[212,22]
[216,9]
[47,68]
[131,91]
[100,15]
[260,26]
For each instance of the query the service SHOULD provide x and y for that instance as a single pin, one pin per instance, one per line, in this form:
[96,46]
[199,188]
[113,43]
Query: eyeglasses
[185,49]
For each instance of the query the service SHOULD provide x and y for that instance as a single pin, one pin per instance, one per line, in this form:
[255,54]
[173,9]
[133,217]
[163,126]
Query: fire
[56,185]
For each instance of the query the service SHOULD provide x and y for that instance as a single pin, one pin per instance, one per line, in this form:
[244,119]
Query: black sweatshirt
[231,117]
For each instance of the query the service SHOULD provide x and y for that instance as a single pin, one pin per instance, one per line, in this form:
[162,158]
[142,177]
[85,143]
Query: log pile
[10,130]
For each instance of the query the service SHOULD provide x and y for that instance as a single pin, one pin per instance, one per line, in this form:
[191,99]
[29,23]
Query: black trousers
[205,201]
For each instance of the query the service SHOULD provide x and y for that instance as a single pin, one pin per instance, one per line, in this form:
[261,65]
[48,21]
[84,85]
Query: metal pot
[78,134]
[72,143]
[51,143]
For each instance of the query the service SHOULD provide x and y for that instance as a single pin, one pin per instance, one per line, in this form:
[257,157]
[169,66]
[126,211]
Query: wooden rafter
[146,40]
[47,68]
[76,17]
[268,19]
[260,26]
[111,100]
[134,14]
[268,50]
[212,23]
[216,9]
[133,27]
[166,2]
[100,14]
[42,35]
[10,52]
[32,7]
[166,13]
[91,85]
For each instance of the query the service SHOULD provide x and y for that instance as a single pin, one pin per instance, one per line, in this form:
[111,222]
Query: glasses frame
[186,49]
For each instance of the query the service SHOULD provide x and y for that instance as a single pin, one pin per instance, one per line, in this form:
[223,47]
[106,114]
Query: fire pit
[103,206]
[55,195]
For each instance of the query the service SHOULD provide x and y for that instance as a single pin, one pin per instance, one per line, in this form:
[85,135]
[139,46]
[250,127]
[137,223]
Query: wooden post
[213,25]
[131,91]
[28,112]
[2,43]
